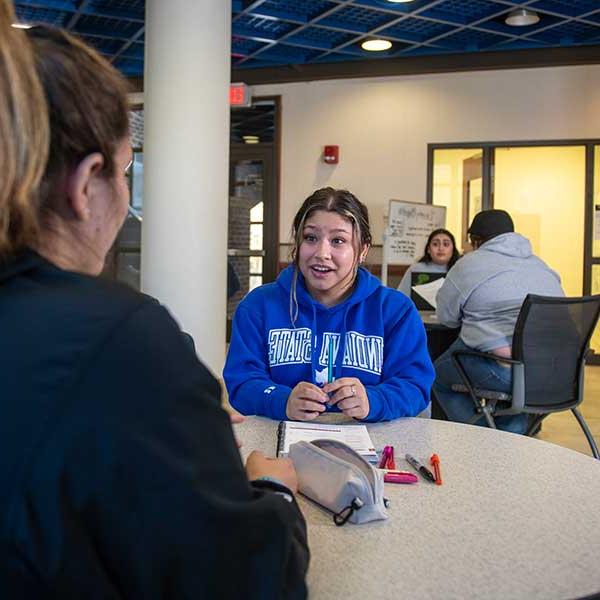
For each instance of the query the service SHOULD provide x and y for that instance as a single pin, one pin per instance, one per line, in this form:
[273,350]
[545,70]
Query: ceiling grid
[272,33]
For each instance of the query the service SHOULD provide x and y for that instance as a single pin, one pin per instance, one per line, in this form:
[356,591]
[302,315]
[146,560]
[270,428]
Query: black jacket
[119,473]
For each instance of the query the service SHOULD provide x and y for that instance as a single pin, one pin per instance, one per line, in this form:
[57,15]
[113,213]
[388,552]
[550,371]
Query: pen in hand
[417,466]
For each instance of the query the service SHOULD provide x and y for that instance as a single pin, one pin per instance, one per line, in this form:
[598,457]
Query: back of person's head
[87,100]
[23,136]
[489,224]
[426,258]
[342,202]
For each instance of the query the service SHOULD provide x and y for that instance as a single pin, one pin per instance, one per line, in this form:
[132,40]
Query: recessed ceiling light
[521,17]
[376,45]
[22,25]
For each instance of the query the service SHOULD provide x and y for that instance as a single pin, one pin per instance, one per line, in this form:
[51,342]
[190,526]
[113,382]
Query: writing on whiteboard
[409,225]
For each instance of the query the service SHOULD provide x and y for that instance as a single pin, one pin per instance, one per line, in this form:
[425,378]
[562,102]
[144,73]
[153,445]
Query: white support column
[186,166]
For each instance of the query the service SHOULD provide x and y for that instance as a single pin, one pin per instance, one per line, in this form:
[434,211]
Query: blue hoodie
[377,334]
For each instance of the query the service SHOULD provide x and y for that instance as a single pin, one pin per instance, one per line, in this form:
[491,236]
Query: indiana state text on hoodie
[377,337]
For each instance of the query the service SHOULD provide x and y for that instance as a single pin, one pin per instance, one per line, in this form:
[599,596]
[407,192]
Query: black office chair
[550,345]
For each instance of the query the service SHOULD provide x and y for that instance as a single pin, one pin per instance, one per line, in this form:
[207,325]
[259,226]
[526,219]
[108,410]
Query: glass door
[252,233]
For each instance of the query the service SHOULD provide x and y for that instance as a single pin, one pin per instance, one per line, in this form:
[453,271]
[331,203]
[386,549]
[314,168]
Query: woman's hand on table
[350,396]
[280,469]
[306,402]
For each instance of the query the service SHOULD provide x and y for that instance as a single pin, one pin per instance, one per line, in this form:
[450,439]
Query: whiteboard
[409,226]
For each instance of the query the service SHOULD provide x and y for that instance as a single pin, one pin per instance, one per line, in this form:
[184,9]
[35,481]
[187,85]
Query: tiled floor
[562,428]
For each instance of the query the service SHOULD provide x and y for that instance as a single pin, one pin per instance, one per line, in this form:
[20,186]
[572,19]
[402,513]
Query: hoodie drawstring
[339,362]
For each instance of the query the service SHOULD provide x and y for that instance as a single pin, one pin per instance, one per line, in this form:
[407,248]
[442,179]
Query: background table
[515,518]
[439,339]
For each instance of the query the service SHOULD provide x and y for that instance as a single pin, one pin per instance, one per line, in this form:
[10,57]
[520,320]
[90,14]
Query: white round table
[515,518]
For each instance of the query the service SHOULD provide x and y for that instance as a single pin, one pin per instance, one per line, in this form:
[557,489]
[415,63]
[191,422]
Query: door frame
[270,154]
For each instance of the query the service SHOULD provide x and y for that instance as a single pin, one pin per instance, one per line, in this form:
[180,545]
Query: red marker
[390,463]
[435,463]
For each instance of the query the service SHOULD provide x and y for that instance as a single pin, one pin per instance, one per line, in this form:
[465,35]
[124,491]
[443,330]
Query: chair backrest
[551,339]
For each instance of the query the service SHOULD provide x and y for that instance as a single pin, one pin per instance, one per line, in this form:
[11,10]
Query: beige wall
[383,126]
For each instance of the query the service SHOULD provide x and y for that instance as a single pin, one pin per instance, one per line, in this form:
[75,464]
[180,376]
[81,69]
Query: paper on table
[428,291]
[356,436]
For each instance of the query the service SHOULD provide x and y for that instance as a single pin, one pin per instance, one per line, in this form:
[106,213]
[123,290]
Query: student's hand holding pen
[306,402]
[350,396]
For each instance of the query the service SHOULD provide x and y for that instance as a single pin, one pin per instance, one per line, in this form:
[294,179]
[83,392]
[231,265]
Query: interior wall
[383,126]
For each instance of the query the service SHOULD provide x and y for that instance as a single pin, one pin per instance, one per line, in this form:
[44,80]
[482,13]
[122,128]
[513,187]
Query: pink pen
[400,478]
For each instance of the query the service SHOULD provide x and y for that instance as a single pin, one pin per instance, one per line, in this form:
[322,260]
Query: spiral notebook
[356,436]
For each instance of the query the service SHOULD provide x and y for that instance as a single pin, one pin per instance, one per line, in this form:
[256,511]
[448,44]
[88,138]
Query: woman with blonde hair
[119,473]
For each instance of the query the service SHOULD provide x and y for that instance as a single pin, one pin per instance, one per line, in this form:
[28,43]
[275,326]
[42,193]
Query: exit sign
[239,95]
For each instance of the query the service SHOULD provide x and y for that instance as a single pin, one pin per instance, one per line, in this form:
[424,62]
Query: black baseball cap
[490,223]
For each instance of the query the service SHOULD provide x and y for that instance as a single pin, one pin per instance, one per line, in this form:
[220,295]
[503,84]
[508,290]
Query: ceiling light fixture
[22,25]
[521,17]
[399,1]
[376,45]
[251,139]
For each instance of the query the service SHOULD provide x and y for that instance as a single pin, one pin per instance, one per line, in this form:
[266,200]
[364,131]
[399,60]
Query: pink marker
[400,478]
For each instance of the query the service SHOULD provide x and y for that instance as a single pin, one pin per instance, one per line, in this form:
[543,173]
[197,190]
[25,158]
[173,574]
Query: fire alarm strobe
[331,155]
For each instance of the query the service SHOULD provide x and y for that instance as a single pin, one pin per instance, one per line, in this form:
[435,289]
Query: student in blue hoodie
[327,336]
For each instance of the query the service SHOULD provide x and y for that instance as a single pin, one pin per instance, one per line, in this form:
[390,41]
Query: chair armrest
[463,374]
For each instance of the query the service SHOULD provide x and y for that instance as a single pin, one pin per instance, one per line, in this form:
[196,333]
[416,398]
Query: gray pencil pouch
[339,479]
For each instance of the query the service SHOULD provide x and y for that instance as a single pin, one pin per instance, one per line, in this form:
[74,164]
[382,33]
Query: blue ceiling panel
[260,28]
[129,66]
[319,37]
[416,30]
[471,41]
[51,16]
[399,7]
[284,54]
[105,46]
[135,50]
[123,9]
[300,11]
[268,33]
[569,33]
[105,27]
[354,18]
[464,12]
[66,5]
[244,47]
[572,8]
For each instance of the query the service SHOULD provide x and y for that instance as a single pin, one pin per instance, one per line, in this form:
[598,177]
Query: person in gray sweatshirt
[482,294]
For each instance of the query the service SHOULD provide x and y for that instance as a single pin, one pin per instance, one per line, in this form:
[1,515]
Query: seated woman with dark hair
[120,476]
[439,257]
